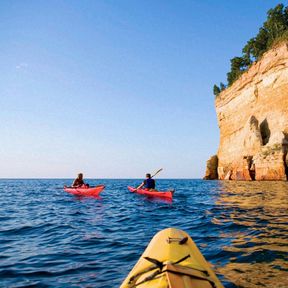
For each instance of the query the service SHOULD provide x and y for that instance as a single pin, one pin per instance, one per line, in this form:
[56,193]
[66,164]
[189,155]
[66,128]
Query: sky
[116,89]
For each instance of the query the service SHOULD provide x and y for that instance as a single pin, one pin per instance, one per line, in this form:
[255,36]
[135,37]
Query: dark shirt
[149,183]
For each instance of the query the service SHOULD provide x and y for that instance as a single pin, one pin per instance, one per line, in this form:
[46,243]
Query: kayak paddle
[157,172]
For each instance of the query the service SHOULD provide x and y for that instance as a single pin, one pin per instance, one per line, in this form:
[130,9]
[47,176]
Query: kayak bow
[171,260]
[152,193]
[82,191]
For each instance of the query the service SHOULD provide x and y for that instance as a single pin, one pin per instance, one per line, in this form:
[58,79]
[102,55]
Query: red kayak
[152,193]
[85,191]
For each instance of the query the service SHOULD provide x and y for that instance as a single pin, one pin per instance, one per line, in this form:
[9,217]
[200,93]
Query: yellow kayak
[171,260]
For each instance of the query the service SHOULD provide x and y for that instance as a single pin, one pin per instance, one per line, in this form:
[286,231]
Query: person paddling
[78,182]
[149,183]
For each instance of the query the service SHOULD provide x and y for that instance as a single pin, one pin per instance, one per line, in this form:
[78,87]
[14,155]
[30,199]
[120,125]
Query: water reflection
[256,222]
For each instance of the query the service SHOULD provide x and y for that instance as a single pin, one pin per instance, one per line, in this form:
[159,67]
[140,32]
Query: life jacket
[150,183]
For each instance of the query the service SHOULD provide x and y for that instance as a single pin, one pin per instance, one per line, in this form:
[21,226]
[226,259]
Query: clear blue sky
[115,89]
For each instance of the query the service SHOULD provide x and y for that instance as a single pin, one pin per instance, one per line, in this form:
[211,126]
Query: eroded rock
[211,168]
[253,120]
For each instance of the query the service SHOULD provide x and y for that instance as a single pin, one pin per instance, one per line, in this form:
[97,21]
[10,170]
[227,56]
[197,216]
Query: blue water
[49,238]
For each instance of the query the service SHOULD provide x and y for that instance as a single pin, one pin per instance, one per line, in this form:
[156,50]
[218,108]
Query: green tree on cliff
[238,66]
[255,47]
[277,23]
[222,86]
[274,29]
[217,90]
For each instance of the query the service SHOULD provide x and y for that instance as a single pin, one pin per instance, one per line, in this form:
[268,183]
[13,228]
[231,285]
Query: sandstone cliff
[253,120]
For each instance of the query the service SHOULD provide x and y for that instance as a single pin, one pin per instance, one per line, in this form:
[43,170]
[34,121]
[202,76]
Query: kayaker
[78,182]
[148,183]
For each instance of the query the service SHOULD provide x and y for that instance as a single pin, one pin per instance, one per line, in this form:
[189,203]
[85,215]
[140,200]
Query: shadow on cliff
[265,131]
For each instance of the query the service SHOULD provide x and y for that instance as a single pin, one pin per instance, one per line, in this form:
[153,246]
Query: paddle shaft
[156,172]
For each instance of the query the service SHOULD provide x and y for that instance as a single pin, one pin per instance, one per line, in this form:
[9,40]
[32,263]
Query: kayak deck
[91,191]
[171,260]
[152,193]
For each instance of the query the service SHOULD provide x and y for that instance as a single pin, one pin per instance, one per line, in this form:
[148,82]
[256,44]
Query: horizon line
[49,178]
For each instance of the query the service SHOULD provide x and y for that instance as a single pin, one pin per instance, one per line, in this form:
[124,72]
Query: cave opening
[265,131]
[285,160]
[251,167]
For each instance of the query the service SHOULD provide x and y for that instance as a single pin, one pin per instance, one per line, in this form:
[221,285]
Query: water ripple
[49,238]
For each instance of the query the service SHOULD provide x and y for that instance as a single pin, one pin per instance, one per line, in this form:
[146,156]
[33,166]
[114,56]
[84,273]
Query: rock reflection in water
[255,215]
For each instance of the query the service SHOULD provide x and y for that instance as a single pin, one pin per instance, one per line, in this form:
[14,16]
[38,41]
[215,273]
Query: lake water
[49,238]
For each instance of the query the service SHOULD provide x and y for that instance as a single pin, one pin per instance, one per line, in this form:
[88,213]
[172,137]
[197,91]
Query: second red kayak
[85,191]
[152,193]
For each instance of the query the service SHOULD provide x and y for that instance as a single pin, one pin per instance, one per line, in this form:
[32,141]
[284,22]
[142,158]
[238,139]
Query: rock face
[211,168]
[253,120]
